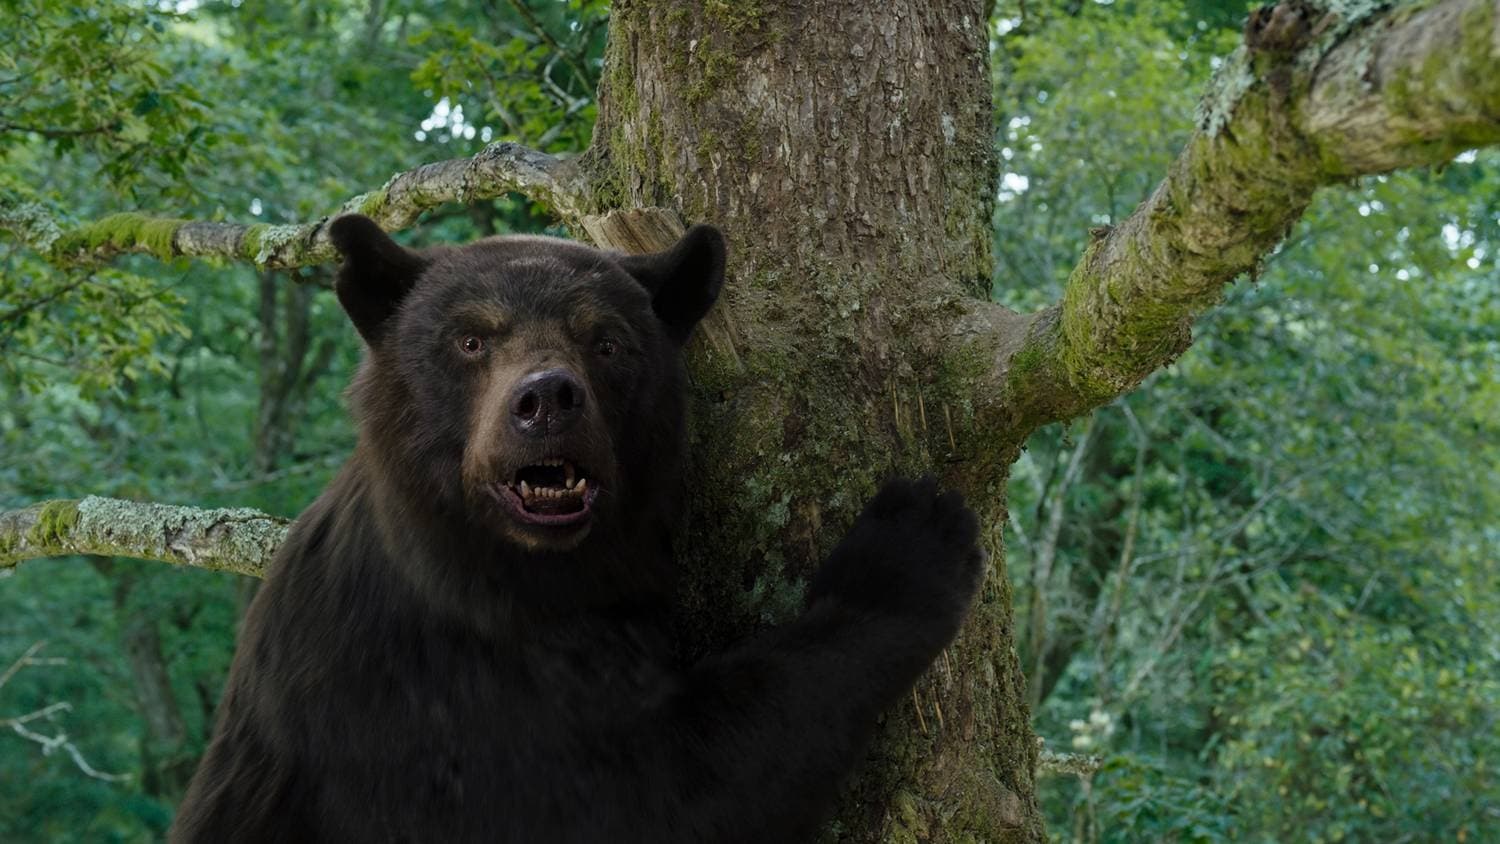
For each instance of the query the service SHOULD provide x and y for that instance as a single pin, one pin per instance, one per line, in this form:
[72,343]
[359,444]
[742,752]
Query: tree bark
[240,540]
[845,150]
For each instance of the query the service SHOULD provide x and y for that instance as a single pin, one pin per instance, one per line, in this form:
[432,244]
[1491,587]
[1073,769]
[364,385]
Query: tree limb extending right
[1321,92]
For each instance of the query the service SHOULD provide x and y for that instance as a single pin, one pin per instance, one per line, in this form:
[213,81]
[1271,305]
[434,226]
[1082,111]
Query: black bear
[466,637]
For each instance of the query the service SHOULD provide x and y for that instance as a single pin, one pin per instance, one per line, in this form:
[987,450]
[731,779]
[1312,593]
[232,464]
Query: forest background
[1263,590]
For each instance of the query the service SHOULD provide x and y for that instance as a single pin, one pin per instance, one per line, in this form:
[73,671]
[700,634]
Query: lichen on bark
[238,539]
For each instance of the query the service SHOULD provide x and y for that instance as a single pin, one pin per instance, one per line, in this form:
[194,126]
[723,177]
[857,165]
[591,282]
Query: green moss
[677,40]
[250,242]
[716,67]
[708,142]
[607,192]
[368,204]
[124,232]
[748,140]
[260,242]
[656,142]
[910,825]
[736,16]
[54,523]
[1145,326]
[1027,362]
[8,543]
[625,162]
[1476,62]
[1468,75]
[618,83]
[791,457]
[1478,57]
[961,224]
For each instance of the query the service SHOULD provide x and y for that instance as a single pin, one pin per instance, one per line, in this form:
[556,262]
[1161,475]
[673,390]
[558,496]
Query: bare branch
[1322,92]
[1111,601]
[1043,561]
[567,55]
[58,741]
[498,169]
[45,712]
[18,724]
[53,132]
[1052,763]
[238,540]
[28,658]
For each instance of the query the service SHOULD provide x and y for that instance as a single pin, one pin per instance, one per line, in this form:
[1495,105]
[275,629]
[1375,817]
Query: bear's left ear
[684,281]
[376,275]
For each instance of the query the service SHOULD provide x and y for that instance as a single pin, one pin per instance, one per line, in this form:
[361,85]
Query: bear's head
[528,387]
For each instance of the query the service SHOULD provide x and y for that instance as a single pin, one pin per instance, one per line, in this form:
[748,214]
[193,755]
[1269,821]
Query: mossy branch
[1321,92]
[498,169]
[1050,763]
[237,540]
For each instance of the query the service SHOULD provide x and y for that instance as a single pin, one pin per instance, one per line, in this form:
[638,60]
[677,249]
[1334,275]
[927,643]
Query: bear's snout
[546,403]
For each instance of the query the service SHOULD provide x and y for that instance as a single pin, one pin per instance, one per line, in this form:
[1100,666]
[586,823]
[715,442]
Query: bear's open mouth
[553,492]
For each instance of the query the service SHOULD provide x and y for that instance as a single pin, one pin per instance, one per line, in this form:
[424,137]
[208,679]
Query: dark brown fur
[422,666]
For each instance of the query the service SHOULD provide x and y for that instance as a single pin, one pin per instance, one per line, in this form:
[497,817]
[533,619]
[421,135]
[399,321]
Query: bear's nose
[546,402]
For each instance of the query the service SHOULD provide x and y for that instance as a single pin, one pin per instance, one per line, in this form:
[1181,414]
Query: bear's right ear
[376,275]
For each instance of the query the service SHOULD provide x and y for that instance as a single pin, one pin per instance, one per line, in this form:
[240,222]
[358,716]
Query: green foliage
[92,76]
[100,327]
[1362,730]
[1144,801]
[533,76]
[1281,552]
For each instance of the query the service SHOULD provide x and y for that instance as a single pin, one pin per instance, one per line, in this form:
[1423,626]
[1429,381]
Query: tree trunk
[845,150]
[165,763]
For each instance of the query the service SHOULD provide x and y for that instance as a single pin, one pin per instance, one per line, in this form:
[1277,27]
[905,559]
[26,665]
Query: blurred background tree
[1263,590]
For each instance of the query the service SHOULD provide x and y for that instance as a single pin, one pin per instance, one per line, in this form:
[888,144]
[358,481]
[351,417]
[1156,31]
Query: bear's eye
[471,345]
[606,347]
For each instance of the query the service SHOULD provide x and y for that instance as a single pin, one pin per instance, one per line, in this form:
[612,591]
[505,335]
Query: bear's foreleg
[765,734]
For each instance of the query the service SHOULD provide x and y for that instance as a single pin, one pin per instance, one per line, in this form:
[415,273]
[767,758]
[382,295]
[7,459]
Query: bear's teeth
[525,490]
[583,486]
[569,473]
